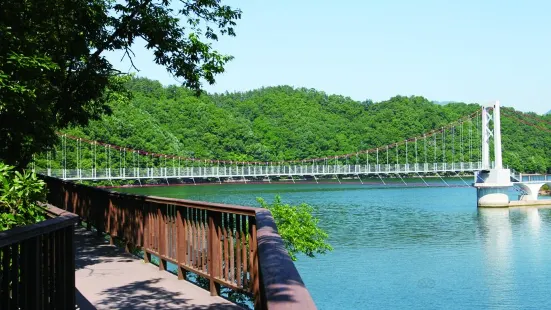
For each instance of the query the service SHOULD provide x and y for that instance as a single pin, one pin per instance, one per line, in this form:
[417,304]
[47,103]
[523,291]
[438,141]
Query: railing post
[35,299]
[69,265]
[110,224]
[213,255]
[161,237]
[253,261]
[181,247]
[147,229]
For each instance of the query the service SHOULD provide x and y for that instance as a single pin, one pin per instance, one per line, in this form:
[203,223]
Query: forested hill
[283,123]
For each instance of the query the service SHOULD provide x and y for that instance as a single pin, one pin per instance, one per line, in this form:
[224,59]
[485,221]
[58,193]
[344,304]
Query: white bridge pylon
[492,183]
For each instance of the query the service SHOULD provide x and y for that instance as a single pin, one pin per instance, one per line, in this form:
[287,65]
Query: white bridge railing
[534,178]
[253,171]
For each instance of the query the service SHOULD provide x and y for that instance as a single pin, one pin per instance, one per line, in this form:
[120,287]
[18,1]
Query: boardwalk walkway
[109,278]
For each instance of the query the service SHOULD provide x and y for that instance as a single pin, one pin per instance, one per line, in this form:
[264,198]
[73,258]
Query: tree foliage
[19,194]
[53,73]
[298,228]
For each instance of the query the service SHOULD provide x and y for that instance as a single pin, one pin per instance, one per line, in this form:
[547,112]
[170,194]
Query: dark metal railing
[37,264]
[233,246]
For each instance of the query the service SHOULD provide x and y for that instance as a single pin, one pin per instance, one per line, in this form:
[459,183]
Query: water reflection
[534,223]
[497,247]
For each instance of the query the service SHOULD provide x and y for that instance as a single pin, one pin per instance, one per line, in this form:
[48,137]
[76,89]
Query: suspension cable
[396,145]
[453,144]
[406,152]
[477,130]
[425,142]
[461,143]
[471,140]
[65,156]
[416,161]
[443,145]
[78,155]
[434,148]
[109,160]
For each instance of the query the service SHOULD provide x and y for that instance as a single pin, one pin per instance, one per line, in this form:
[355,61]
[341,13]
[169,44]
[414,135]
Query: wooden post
[69,265]
[244,250]
[110,221]
[35,274]
[238,246]
[213,251]
[59,270]
[146,226]
[181,243]
[231,266]
[253,258]
[161,238]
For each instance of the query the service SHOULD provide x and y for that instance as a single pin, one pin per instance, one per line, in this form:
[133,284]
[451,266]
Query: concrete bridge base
[492,186]
[492,197]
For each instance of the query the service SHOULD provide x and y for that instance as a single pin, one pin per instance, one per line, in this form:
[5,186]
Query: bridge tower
[492,183]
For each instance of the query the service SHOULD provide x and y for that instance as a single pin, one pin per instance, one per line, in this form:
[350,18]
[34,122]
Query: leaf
[19,194]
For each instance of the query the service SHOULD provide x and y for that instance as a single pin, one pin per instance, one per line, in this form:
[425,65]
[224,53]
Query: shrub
[298,228]
[20,193]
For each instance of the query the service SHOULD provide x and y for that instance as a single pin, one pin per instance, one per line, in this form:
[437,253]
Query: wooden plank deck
[109,278]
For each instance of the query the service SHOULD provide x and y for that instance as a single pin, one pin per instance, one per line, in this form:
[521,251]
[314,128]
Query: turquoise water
[410,248]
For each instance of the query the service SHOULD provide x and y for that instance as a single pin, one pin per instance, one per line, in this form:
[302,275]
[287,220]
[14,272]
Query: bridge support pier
[491,188]
[531,191]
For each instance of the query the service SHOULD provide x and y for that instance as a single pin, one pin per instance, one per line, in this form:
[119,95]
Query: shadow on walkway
[145,295]
[92,250]
[109,278]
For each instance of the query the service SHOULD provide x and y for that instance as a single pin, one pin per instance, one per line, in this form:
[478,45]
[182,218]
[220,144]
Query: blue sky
[471,51]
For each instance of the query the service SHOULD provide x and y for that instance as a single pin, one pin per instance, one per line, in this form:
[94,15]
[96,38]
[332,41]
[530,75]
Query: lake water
[410,248]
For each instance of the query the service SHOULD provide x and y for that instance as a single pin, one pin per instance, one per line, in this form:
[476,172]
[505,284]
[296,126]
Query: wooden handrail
[37,264]
[234,246]
[282,285]
[217,207]
[22,233]
[53,211]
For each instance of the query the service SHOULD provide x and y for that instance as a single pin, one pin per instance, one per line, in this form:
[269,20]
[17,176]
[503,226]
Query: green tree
[53,73]
[298,228]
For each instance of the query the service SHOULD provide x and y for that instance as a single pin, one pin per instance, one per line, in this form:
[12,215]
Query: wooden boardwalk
[109,278]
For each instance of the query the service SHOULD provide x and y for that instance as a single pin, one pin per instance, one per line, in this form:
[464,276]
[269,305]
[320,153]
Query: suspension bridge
[457,149]
[448,150]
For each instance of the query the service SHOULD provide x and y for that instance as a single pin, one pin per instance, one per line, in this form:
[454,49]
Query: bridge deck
[109,278]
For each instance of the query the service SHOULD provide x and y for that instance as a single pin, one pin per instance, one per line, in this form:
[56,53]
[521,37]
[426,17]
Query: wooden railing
[37,264]
[233,246]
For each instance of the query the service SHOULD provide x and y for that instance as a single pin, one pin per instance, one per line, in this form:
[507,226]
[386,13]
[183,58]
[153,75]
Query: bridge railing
[37,264]
[534,177]
[232,246]
[258,170]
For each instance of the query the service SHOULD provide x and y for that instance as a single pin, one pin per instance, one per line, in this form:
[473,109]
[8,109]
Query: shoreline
[529,203]
[393,184]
